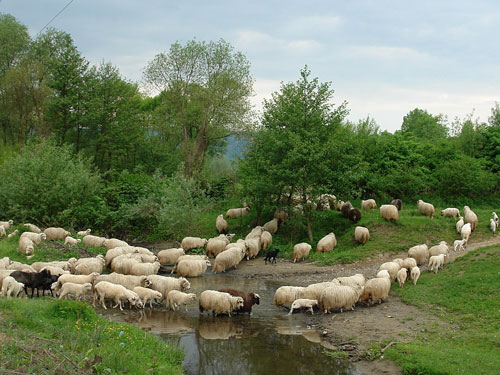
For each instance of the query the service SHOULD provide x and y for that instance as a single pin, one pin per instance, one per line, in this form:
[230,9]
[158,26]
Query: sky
[384,58]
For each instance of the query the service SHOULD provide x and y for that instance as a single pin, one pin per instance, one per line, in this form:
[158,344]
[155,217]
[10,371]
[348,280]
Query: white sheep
[93,241]
[368,204]
[376,289]
[494,216]
[357,280]
[460,223]
[84,232]
[237,212]
[301,251]
[266,239]
[420,253]
[271,226]
[33,228]
[26,246]
[71,241]
[3,231]
[77,279]
[415,274]
[37,238]
[253,247]
[192,267]
[3,275]
[425,208]
[7,224]
[86,266]
[442,248]
[285,295]
[106,290]
[169,256]
[123,264]
[148,295]
[401,276]
[409,263]
[11,287]
[314,291]
[55,271]
[75,290]
[221,224]
[215,246]
[219,302]
[255,233]
[327,243]
[144,269]
[114,242]
[4,263]
[459,245]
[361,235]
[302,303]
[228,259]
[339,297]
[466,232]
[240,244]
[436,262]
[398,261]
[17,266]
[450,212]
[389,212]
[117,251]
[64,265]
[176,298]
[164,284]
[56,233]
[391,267]
[470,217]
[10,235]
[493,226]
[190,257]
[384,273]
[128,281]
[189,243]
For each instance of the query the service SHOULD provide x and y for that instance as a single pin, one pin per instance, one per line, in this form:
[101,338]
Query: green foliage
[421,124]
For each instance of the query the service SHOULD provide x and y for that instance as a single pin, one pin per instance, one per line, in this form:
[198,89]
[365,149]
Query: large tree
[425,126]
[206,89]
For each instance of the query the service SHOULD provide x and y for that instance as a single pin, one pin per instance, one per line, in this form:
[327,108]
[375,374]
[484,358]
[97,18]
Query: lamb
[339,297]
[26,246]
[401,276]
[357,280]
[37,238]
[86,266]
[33,228]
[409,263]
[75,290]
[221,224]
[327,243]
[266,239]
[11,287]
[271,256]
[376,289]
[54,233]
[71,241]
[368,204]
[493,226]
[237,212]
[383,273]
[164,284]
[392,268]
[313,291]
[215,246]
[93,241]
[426,209]
[272,226]
[144,269]
[460,223]
[420,253]
[301,251]
[442,248]
[128,281]
[249,299]
[10,235]
[470,217]
[114,242]
[6,224]
[389,212]
[192,267]
[494,216]
[77,279]
[361,235]
[189,243]
[285,295]
[301,303]
[117,293]
[228,259]
[84,232]
[459,245]
[219,303]
[436,262]
[169,256]
[398,203]
[466,232]
[148,295]
[450,212]
[415,274]
[253,247]
[176,298]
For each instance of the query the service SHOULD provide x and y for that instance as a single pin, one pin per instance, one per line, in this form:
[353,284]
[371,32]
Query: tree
[423,125]
[206,90]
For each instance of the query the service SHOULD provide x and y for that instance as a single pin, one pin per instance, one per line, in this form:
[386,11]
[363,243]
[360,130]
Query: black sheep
[249,299]
[398,203]
[354,215]
[346,207]
[33,280]
[271,255]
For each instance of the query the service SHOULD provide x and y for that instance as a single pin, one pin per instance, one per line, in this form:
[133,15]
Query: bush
[48,184]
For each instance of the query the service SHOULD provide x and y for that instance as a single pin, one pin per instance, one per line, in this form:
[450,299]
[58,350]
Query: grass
[466,294]
[47,336]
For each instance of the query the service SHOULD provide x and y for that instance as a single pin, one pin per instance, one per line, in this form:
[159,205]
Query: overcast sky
[384,58]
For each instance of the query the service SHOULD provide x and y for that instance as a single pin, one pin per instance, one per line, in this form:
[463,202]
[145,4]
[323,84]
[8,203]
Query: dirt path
[356,331]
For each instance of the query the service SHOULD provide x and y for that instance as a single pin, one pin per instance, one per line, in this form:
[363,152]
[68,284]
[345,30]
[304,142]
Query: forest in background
[81,146]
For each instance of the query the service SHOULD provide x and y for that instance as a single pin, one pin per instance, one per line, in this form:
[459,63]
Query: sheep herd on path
[134,278]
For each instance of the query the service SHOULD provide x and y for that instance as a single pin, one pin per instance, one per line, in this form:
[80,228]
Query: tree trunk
[309,228]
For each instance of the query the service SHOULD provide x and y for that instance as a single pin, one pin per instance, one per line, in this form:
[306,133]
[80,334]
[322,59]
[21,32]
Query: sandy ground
[355,331]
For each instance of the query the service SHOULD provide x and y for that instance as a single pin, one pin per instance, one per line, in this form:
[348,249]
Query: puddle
[267,342]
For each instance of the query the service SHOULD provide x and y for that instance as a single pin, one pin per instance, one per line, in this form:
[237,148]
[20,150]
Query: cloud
[388,53]
[249,39]
[263,90]
[303,46]
[314,24]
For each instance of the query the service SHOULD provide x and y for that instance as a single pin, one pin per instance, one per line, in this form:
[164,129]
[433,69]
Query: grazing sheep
[114,242]
[420,253]
[354,215]
[313,291]
[339,297]
[148,295]
[346,207]
[33,228]
[459,245]
[281,214]
[117,293]
[240,244]
[26,246]
[116,252]
[249,299]
[84,232]
[11,287]
[75,290]
[176,298]
[94,241]
[368,204]
[37,238]
[228,259]
[389,212]
[237,212]
[383,273]
[376,289]
[392,268]
[189,258]
[255,233]
[253,247]
[272,226]
[128,281]
[466,232]
[339,205]
[3,275]
[54,233]
[4,263]
[86,266]
[401,276]
[6,224]
[494,216]
[144,269]
[34,280]
[460,223]
[164,284]
[436,262]
[189,243]
[271,256]
[169,256]
[357,280]
[266,239]
[361,235]
[215,246]
[327,243]
[415,274]
[3,232]
[123,264]
[302,303]
[285,295]
[221,224]
[301,251]
[470,217]
[10,235]
[425,208]
[71,241]
[398,261]
[219,303]
[77,279]
[493,226]
[409,263]
[450,212]
[398,203]
[442,248]
[192,267]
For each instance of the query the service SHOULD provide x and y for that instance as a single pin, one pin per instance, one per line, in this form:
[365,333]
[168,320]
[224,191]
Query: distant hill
[235,147]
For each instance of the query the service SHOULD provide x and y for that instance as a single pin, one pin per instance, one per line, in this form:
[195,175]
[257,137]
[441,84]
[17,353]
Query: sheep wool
[253,247]
[11,287]
[376,289]
[266,239]
[470,217]
[420,253]
[368,204]
[285,295]
[164,284]
[401,276]
[26,246]
[71,241]
[301,251]
[189,243]
[327,243]
[357,280]
[314,291]
[271,226]
[192,267]
[409,263]
[450,212]
[392,268]
[169,256]
[176,298]
[106,290]
[33,228]
[361,235]
[228,259]
[147,295]
[237,212]
[415,274]
[389,212]
[426,209]
[114,242]
[37,238]
[339,297]
[221,224]
[436,262]
[93,241]
[466,232]
[54,233]
[219,302]
[302,303]
[127,281]
[75,290]
[442,248]
[144,269]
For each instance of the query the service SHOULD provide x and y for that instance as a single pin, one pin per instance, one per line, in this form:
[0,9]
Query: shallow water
[267,342]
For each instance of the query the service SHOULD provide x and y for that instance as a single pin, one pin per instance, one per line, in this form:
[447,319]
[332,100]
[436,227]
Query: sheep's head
[239,302]
[11,222]
[191,297]
[30,250]
[43,236]
[185,284]
[145,282]
[255,298]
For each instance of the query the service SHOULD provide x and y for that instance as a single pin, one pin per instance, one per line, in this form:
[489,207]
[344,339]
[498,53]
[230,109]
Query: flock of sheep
[134,270]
